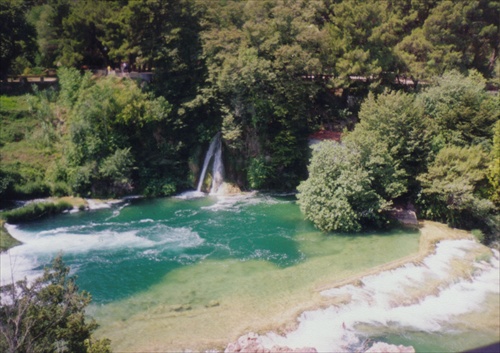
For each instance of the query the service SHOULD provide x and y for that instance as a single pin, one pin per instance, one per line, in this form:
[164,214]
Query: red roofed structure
[326,135]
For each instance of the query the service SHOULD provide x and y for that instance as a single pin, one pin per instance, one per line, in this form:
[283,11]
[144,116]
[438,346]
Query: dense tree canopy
[434,149]
[17,36]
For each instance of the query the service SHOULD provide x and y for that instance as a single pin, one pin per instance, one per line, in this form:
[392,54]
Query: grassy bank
[35,211]
[6,240]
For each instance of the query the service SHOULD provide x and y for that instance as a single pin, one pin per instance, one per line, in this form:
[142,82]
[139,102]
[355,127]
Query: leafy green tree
[455,188]
[338,194]
[257,55]
[17,36]
[47,18]
[47,315]
[81,41]
[394,122]
[105,119]
[461,110]
[357,42]
[457,35]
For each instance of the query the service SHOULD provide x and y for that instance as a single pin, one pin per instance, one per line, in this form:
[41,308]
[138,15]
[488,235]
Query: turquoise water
[147,239]
[172,274]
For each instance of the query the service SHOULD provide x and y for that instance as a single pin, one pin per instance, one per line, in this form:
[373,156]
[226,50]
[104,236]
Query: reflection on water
[177,273]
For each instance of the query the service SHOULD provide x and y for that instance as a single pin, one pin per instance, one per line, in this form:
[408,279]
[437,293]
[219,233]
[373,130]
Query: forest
[412,85]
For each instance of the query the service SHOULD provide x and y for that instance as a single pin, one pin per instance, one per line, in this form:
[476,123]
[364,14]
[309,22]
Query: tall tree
[456,35]
[455,187]
[48,18]
[17,36]
[461,110]
[359,46]
[397,120]
[338,194]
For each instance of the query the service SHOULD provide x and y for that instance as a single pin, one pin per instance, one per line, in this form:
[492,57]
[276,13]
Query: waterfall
[215,151]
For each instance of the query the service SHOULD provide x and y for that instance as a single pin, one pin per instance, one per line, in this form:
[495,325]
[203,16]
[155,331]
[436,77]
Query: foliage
[35,211]
[47,315]
[393,123]
[71,82]
[258,173]
[461,110]
[359,47]
[256,54]
[457,35]
[17,36]
[338,195]
[27,139]
[350,185]
[493,172]
[108,121]
[40,108]
[430,148]
[6,240]
[264,73]
[455,186]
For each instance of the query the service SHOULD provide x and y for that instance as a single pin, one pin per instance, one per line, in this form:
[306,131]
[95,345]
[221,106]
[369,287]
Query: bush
[338,195]
[60,188]
[47,315]
[478,234]
[159,187]
[35,211]
[258,173]
[31,189]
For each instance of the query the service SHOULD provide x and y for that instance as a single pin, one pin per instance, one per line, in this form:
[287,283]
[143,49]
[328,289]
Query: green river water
[173,274]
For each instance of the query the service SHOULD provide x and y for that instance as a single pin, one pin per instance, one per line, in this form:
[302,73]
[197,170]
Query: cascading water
[215,152]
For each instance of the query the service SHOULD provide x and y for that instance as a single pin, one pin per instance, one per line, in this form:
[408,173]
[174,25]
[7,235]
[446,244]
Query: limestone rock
[228,189]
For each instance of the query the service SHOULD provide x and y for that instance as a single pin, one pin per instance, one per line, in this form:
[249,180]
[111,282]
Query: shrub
[258,173]
[47,315]
[478,234]
[31,189]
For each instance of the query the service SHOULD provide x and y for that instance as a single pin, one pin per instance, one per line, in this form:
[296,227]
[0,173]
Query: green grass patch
[24,160]
[13,103]
[6,240]
[35,211]
[17,122]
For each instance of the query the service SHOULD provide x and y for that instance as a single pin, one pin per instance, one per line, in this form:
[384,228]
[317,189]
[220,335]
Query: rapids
[197,271]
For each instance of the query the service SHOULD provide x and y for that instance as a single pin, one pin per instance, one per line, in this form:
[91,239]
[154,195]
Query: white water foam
[38,248]
[388,301]
[116,212]
[188,195]
[237,202]
[98,204]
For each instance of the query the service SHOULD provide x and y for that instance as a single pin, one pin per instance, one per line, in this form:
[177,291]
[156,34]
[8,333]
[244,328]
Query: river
[195,273]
